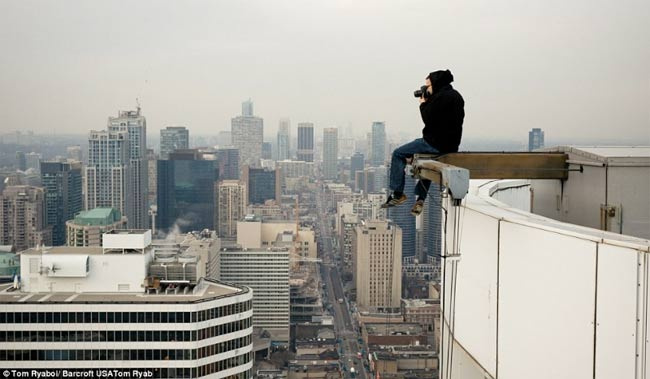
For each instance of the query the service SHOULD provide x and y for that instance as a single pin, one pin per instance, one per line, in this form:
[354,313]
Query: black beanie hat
[440,78]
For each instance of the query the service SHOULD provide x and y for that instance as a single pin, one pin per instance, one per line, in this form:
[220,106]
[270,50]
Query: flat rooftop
[209,290]
[396,329]
[88,250]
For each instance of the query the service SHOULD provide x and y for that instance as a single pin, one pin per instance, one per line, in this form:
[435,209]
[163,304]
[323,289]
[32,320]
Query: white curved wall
[537,298]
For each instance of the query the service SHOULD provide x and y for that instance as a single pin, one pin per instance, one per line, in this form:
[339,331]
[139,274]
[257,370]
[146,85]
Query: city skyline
[590,52]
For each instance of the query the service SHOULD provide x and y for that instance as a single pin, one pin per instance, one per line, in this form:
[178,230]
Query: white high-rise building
[230,207]
[330,152]
[81,309]
[135,125]
[284,137]
[266,271]
[247,136]
[108,173]
[377,266]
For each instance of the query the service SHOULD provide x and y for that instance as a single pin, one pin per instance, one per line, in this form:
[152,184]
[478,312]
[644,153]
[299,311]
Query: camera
[422,91]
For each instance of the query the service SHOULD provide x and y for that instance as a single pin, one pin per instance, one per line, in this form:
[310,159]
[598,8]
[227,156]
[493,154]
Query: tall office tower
[433,225]
[535,139]
[88,227]
[173,138]
[262,184]
[33,161]
[377,266]
[305,150]
[228,161]
[63,196]
[152,176]
[230,207]
[330,153]
[267,150]
[108,173]
[186,186]
[283,139]
[116,324]
[404,219]
[224,138]
[136,125]
[247,134]
[21,161]
[75,153]
[378,143]
[357,163]
[22,218]
[266,271]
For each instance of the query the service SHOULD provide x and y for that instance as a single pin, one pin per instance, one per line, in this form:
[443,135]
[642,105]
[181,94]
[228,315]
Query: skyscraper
[186,193]
[330,153]
[247,135]
[135,125]
[357,163]
[403,218]
[433,225]
[283,139]
[378,143]
[262,184]
[172,138]
[230,207]
[75,153]
[108,173]
[22,218]
[535,139]
[267,150]
[63,196]
[228,161]
[377,266]
[305,151]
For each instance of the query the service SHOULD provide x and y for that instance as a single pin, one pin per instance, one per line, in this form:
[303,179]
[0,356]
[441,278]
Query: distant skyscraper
[22,218]
[330,153]
[136,125]
[404,219]
[152,168]
[230,207]
[377,266]
[247,135]
[228,160]
[378,143]
[186,193]
[283,139]
[224,138]
[75,153]
[21,161]
[172,138]
[108,173]
[535,139]
[63,196]
[33,161]
[433,225]
[267,150]
[357,163]
[262,184]
[305,151]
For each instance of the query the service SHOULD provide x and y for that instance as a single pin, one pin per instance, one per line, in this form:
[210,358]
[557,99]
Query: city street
[346,331]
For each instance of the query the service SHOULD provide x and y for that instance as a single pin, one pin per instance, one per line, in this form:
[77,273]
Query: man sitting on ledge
[442,109]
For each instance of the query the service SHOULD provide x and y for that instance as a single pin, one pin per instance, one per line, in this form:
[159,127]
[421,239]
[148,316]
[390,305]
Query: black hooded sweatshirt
[443,114]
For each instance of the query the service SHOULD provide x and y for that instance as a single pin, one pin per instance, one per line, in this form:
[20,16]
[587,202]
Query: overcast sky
[574,68]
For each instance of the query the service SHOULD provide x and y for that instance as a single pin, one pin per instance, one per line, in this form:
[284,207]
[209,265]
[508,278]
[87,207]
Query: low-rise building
[88,227]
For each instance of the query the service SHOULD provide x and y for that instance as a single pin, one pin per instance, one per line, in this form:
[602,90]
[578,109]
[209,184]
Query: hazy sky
[575,68]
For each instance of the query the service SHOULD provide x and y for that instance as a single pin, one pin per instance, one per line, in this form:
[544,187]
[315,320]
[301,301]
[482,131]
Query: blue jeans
[398,164]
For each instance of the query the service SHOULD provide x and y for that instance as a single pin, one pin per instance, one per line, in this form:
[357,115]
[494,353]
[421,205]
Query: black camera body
[422,92]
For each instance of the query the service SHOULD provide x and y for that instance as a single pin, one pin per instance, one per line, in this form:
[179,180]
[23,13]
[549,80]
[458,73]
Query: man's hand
[422,100]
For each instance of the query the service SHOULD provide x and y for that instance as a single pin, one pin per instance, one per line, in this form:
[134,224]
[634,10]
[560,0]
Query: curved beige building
[87,227]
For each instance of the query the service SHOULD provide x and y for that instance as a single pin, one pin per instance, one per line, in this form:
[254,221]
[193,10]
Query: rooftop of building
[393,329]
[98,217]
[607,154]
[415,303]
[207,289]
